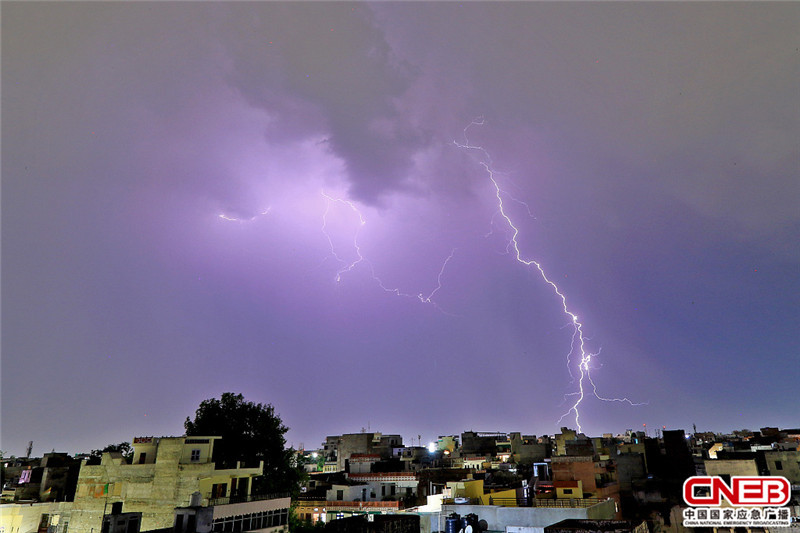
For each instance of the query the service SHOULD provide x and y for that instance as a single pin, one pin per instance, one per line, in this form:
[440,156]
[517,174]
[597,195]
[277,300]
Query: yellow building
[505,498]
[30,517]
[731,467]
[467,488]
[165,473]
[569,489]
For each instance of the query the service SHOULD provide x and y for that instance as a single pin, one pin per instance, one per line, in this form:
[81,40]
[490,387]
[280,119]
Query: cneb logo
[754,490]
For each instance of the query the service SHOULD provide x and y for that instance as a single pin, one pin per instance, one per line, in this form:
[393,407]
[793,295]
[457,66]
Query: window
[567,491]
[778,465]
[195,455]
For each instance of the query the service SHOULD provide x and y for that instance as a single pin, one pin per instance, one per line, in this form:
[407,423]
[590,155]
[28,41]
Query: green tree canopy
[250,432]
[124,448]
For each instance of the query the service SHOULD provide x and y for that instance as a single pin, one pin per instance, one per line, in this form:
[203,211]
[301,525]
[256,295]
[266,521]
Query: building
[50,517]
[387,485]
[326,511]
[340,448]
[527,448]
[480,443]
[165,473]
[520,519]
[375,524]
[264,515]
[784,463]
[51,478]
[573,525]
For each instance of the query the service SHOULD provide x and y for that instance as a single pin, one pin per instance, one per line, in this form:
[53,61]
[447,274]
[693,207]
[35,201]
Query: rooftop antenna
[28,450]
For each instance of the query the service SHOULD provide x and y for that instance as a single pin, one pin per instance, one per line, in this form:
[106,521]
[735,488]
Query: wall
[153,489]
[731,467]
[233,509]
[25,518]
[790,465]
[498,518]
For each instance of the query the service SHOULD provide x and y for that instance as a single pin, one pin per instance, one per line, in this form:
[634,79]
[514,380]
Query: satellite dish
[468,529]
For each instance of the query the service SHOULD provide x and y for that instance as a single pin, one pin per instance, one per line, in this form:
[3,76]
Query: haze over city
[286,200]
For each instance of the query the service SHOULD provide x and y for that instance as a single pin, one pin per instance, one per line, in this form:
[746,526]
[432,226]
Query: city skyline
[302,203]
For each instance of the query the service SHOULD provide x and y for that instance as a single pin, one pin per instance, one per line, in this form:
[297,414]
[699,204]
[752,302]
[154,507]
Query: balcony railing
[248,498]
[341,505]
[574,503]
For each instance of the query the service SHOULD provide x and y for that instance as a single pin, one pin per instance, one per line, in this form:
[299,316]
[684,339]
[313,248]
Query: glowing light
[578,342]
[359,257]
[235,219]
[431,447]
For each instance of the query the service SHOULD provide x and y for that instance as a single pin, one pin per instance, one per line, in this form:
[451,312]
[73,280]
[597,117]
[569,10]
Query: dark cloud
[330,58]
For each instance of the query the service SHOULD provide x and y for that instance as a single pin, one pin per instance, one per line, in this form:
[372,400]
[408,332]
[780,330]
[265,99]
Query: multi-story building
[385,485]
[340,448]
[165,473]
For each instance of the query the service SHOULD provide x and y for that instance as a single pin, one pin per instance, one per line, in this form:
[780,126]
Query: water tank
[452,524]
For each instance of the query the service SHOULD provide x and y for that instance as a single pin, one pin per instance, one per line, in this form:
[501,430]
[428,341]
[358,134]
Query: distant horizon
[407,442]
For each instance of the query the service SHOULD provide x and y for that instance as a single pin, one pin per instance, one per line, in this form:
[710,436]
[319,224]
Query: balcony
[247,498]
[561,503]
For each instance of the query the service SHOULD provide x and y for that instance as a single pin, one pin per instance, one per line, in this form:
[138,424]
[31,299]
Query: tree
[250,432]
[124,448]
[299,525]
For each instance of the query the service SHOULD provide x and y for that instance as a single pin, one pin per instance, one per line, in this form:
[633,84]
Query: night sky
[183,183]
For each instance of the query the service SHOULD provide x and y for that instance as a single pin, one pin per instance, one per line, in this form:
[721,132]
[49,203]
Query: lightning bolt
[578,341]
[235,219]
[348,266]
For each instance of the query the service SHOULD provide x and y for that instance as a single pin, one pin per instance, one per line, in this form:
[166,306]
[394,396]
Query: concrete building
[568,489]
[376,524]
[325,511]
[269,515]
[573,525]
[51,517]
[519,519]
[479,443]
[527,449]
[562,438]
[340,448]
[598,478]
[731,467]
[784,463]
[351,492]
[51,478]
[165,474]
[385,485]
[362,463]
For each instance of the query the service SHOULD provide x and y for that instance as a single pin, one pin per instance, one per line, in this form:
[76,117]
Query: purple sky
[655,146]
